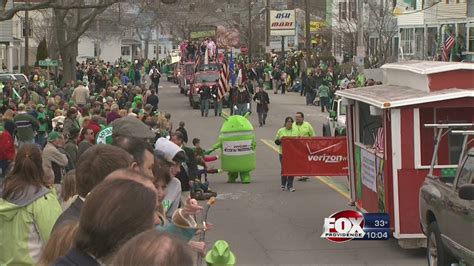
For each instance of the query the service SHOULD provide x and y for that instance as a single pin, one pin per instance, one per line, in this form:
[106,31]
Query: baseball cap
[131,127]
[169,151]
[54,135]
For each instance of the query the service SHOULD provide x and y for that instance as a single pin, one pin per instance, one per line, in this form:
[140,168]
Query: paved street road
[265,225]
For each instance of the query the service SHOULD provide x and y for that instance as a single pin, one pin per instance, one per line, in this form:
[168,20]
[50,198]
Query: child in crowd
[68,189]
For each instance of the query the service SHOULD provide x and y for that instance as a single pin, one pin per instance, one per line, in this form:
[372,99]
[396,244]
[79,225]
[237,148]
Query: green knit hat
[54,136]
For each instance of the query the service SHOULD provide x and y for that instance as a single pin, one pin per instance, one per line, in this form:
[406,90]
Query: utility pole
[27,41]
[307,34]
[267,22]
[250,31]
[360,33]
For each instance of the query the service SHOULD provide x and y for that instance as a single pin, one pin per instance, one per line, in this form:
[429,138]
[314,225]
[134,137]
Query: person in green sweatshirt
[289,130]
[43,120]
[324,92]
[28,209]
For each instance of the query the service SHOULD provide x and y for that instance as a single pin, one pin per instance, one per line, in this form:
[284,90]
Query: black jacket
[71,214]
[153,100]
[183,131]
[76,257]
[264,100]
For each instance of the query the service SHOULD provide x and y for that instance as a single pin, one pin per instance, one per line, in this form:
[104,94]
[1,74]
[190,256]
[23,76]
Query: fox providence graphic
[315,156]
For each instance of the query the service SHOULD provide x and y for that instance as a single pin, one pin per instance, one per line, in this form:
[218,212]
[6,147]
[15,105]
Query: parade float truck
[390,149]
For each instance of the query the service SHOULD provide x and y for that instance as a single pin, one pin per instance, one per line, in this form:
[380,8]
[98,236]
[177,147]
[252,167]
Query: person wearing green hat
[220,255]
[42,118]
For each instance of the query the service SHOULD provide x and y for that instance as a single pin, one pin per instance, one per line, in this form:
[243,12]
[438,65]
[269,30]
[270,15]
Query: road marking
[323,179]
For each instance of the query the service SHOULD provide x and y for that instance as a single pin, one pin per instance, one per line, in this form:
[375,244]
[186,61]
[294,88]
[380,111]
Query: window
[125,51]
[352,9]
[471,40]
[161,49]
[467,172]
[406,41]
[154,49]
[368,124]
[23,28]
[342,10]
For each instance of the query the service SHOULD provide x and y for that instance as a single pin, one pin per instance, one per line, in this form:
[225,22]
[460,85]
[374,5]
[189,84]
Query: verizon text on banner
[316,156]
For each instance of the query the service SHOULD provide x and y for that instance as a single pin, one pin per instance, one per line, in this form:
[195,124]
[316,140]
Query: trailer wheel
[436,252]
[326,130]
[195,105]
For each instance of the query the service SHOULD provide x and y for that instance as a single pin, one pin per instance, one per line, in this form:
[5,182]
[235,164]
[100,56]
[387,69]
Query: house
[425,25]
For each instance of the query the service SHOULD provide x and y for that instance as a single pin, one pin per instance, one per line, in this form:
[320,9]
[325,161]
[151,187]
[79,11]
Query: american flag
[223,81]
[447,46]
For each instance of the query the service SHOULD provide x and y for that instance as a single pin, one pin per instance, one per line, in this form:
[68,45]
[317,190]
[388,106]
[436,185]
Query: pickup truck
[336,122]
[447,214]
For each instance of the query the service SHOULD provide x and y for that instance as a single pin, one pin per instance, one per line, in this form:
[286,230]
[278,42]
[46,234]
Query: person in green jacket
[43,120]
[324,92]
[289,130]
[304,128]
[28,209]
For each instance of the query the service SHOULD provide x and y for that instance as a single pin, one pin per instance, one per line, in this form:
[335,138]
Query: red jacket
[7,146]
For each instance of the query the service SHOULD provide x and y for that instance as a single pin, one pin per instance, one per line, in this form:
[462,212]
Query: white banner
[237,148]
[282,23]
[368,169]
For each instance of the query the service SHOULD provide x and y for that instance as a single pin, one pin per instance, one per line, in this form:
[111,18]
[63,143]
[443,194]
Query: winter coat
[54,162]
[25,225]
[7,146]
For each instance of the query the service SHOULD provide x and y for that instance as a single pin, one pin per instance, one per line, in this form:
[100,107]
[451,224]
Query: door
[461,212]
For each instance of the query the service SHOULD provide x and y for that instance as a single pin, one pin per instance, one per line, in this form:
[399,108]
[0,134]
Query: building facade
[424,26]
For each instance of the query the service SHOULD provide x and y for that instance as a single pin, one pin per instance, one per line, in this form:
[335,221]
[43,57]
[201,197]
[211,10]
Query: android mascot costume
[237,144]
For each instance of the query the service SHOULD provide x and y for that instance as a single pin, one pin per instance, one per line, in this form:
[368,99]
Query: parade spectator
[70,121]
[92,167]
[183,131]
[155,76]
[87,142]
[25,126]
[26,202]
[71,148]
[189,168]
[288,130]
[131,127]
[168,123]
[68,189]
[262,100]
[174,156]
[303,128]
[142,152]
[7,147]
[54,157]
[43,120]
[80,94]
[276,79]
[59,244]
[153,100]
[104,228]
[217,102]
[154,248]
[113,114]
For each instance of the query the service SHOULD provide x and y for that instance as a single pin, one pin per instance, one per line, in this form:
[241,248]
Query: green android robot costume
[237,143]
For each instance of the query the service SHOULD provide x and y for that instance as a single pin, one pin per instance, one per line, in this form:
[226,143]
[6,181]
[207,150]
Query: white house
[423,27]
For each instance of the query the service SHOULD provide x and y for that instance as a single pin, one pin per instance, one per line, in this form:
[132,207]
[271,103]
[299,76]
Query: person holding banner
[287,131]
[304,129]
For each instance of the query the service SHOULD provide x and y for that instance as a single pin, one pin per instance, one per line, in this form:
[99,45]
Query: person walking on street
[243,101]
[324,91]
[155,76]
[216,101]
[303,129]
[262,100]
[276,79]
[205,95]
[25,126]
[287,131]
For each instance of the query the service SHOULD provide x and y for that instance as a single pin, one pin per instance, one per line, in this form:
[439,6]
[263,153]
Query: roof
[389,96]
[428,67]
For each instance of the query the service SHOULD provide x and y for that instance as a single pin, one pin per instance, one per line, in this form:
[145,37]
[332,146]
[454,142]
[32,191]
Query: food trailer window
[451,145]
[368,125]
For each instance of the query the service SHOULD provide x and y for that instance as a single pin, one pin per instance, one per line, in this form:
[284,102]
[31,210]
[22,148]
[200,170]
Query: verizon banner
[316,156]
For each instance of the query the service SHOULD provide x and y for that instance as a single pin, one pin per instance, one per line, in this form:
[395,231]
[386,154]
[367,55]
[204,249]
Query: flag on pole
[447,46]
[223,81]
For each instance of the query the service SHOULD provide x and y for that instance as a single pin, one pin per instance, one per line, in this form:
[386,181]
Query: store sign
[315,156]
[237,148]
[282,23]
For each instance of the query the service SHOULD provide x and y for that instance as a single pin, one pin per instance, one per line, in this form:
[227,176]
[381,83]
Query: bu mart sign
[282,23]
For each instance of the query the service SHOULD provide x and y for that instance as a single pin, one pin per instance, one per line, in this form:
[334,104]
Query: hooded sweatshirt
[25,225]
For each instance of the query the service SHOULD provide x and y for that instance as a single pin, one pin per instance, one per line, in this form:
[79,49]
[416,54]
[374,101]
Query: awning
[388,96]
[428,67]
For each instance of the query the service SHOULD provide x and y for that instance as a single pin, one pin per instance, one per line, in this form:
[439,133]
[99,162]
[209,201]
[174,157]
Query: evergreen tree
[42,50]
